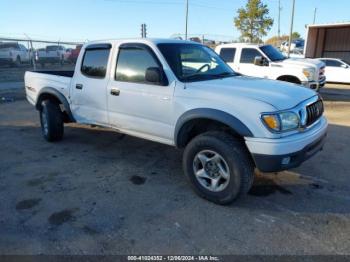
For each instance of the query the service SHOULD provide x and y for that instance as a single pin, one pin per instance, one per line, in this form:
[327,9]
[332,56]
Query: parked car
[228,124]
[14,54]
[265,61]
[297,44]
[74,54]
[295,53]
[51,54]
[337,70]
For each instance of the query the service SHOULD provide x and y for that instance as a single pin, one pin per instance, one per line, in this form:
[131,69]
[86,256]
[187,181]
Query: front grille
[314,112]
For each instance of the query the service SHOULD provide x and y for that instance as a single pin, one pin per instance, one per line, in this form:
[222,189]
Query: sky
[81,20]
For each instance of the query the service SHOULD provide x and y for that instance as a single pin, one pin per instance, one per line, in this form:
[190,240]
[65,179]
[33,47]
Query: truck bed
[37,80]
[66,73]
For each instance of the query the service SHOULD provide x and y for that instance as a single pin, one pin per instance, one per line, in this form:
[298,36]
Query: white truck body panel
[153,111]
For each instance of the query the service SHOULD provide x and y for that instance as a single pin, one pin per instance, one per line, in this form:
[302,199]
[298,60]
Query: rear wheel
[17,62]
[51,119]
[218,166]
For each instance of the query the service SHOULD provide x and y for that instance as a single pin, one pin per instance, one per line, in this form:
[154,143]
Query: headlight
[281,122]
[309,73]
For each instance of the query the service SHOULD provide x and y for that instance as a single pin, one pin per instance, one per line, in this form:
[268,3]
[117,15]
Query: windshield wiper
[225,74]
[206,76]
[196,76]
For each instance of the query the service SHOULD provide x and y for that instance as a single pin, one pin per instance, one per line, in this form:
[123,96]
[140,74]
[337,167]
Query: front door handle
[115,92]
[79,86]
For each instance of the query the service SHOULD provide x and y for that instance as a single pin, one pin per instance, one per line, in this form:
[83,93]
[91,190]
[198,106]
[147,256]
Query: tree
[253,21]
[295,35]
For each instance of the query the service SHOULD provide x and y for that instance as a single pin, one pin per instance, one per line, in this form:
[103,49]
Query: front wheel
[51,119]
[218,166]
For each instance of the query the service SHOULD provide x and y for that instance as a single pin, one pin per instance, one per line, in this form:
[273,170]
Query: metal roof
[338,24]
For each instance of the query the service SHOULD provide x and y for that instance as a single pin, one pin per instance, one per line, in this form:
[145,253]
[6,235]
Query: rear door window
[228,54]
[95,63]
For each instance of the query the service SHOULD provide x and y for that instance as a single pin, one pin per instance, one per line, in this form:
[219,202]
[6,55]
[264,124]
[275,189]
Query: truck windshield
[8,45]
[194,62]
[52,48]
[272,53]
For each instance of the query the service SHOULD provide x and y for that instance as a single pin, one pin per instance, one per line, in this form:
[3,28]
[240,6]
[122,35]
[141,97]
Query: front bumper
[48,60]
[6,60]
[273,155]
[315,85]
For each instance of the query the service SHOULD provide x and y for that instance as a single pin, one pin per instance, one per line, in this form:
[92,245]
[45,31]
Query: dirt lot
[99,192]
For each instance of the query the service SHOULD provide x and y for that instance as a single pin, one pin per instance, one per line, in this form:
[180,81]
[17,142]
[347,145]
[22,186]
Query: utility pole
[315,11]
[31,53]
[279,19]
[291,28]
[186,19]
[143,30]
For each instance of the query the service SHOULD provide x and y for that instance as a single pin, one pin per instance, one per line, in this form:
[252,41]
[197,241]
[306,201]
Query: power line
[172,2]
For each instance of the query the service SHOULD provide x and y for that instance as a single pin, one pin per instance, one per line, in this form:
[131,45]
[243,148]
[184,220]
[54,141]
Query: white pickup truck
[183,94]
[265,61]
[14,54]
[51,54]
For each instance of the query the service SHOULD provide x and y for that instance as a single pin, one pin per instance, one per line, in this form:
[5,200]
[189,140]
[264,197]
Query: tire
[51,119]
[17,62]
[231,155]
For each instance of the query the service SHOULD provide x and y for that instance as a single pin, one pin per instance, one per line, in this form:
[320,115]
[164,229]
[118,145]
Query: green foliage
[295,35]
[253,21]
[277,41]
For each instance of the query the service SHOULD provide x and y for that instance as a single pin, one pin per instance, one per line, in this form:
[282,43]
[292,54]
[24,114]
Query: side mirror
[344,66]
[258,61]
[154,75]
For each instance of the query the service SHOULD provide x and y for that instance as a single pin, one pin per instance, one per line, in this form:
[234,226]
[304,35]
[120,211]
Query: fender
[212,114]
[59,96]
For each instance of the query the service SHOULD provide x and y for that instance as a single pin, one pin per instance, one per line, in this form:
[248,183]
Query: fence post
[32,54]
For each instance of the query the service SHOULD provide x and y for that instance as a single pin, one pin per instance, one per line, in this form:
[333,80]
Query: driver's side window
[248,55]
[132,64]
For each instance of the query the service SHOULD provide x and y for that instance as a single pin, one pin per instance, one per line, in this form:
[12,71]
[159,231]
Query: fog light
[285,161]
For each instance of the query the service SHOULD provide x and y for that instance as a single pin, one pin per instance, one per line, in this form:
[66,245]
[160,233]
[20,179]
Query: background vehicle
[265,61]
[14,54]
[67,54]
[297,45]
[74,54]
[51,54]
[294,54]
[337,70]
[183,94]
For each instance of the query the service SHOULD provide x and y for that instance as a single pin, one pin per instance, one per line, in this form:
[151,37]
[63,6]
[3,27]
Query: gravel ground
[100,192]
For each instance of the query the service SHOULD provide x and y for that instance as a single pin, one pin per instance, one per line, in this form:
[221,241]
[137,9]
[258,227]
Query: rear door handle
[79,86]
[115,92]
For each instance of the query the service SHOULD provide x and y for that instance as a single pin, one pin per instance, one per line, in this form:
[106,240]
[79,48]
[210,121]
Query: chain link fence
[206,39]
[19,55]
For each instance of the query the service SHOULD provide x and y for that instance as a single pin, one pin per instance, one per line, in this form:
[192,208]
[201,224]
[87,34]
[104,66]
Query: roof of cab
[142,40]
[239,44]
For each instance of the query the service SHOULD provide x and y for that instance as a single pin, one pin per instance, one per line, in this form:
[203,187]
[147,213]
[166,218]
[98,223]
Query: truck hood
[281,95]
[301,62]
